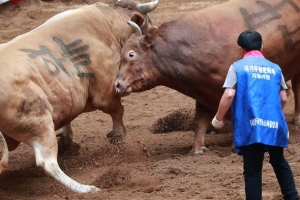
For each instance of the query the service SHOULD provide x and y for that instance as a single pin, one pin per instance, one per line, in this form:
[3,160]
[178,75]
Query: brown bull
[192,53]
[59,70]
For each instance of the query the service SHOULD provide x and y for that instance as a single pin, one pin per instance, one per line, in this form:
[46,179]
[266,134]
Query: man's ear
[262,46]
[243,51]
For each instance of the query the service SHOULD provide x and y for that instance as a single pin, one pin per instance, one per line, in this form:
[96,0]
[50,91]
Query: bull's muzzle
[121,88]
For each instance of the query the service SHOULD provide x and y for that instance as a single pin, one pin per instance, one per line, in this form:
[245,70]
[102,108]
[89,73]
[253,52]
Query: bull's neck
[186,49]
[166,74]
[121,30]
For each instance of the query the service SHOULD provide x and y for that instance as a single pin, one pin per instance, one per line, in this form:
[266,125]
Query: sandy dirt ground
[148,165]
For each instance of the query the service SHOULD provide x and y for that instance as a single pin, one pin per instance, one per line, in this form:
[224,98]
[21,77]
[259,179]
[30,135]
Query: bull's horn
[136,27]
[116,1]
[148,7]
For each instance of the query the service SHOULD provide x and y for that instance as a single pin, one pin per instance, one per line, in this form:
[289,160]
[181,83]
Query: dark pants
[253,156]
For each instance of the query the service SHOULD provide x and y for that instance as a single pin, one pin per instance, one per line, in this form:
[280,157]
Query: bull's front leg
[65,140]
[118,132]
[296,91]
[201,121]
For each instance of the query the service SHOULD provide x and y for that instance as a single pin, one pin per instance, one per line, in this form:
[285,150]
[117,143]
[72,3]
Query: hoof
[199,152]
[3,167]
[63,144]
[296,121]
[110,134]
[86,189]
[94,189]
[117,139]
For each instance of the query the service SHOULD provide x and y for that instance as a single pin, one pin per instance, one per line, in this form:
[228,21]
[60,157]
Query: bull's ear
[149,39]
[138,19]
[151,34]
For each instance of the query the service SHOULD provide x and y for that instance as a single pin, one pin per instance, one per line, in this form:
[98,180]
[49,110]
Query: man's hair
[250,40]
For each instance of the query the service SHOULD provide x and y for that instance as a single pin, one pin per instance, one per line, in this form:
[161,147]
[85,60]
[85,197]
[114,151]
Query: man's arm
[225,103]
[224,106]
[227,97]
[283,98]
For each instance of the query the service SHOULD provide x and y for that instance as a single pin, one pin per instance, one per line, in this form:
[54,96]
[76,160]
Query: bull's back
[277,22]
[203,44]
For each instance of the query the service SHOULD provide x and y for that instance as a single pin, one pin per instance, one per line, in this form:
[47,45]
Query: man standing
[256,90]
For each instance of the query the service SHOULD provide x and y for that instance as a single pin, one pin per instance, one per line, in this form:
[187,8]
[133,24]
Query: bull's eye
[131,54]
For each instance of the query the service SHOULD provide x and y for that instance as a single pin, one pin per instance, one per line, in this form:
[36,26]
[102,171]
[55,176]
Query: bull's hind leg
[45,148]
[5,154]
[118,133]
[65,140]
[296,91]
[202,119]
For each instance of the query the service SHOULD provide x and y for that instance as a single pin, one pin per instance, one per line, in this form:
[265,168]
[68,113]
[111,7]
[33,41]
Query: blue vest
[257,116]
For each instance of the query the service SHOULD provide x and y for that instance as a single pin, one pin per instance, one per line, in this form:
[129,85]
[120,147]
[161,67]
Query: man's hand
[217,124]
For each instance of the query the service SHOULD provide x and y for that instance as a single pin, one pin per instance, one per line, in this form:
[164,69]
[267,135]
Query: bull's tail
[5,154]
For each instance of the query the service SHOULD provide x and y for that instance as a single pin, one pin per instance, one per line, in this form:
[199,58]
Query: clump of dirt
[179,120]
[182,120]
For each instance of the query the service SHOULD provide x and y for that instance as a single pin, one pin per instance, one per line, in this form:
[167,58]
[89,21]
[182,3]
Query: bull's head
[137,71]
[139,11]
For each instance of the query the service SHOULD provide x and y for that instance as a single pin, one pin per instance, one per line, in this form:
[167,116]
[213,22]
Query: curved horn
[116,1]
[148,7]
[135,27]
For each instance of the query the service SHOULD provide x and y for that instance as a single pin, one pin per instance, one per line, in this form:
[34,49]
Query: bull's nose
[117,85]
[122,88]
